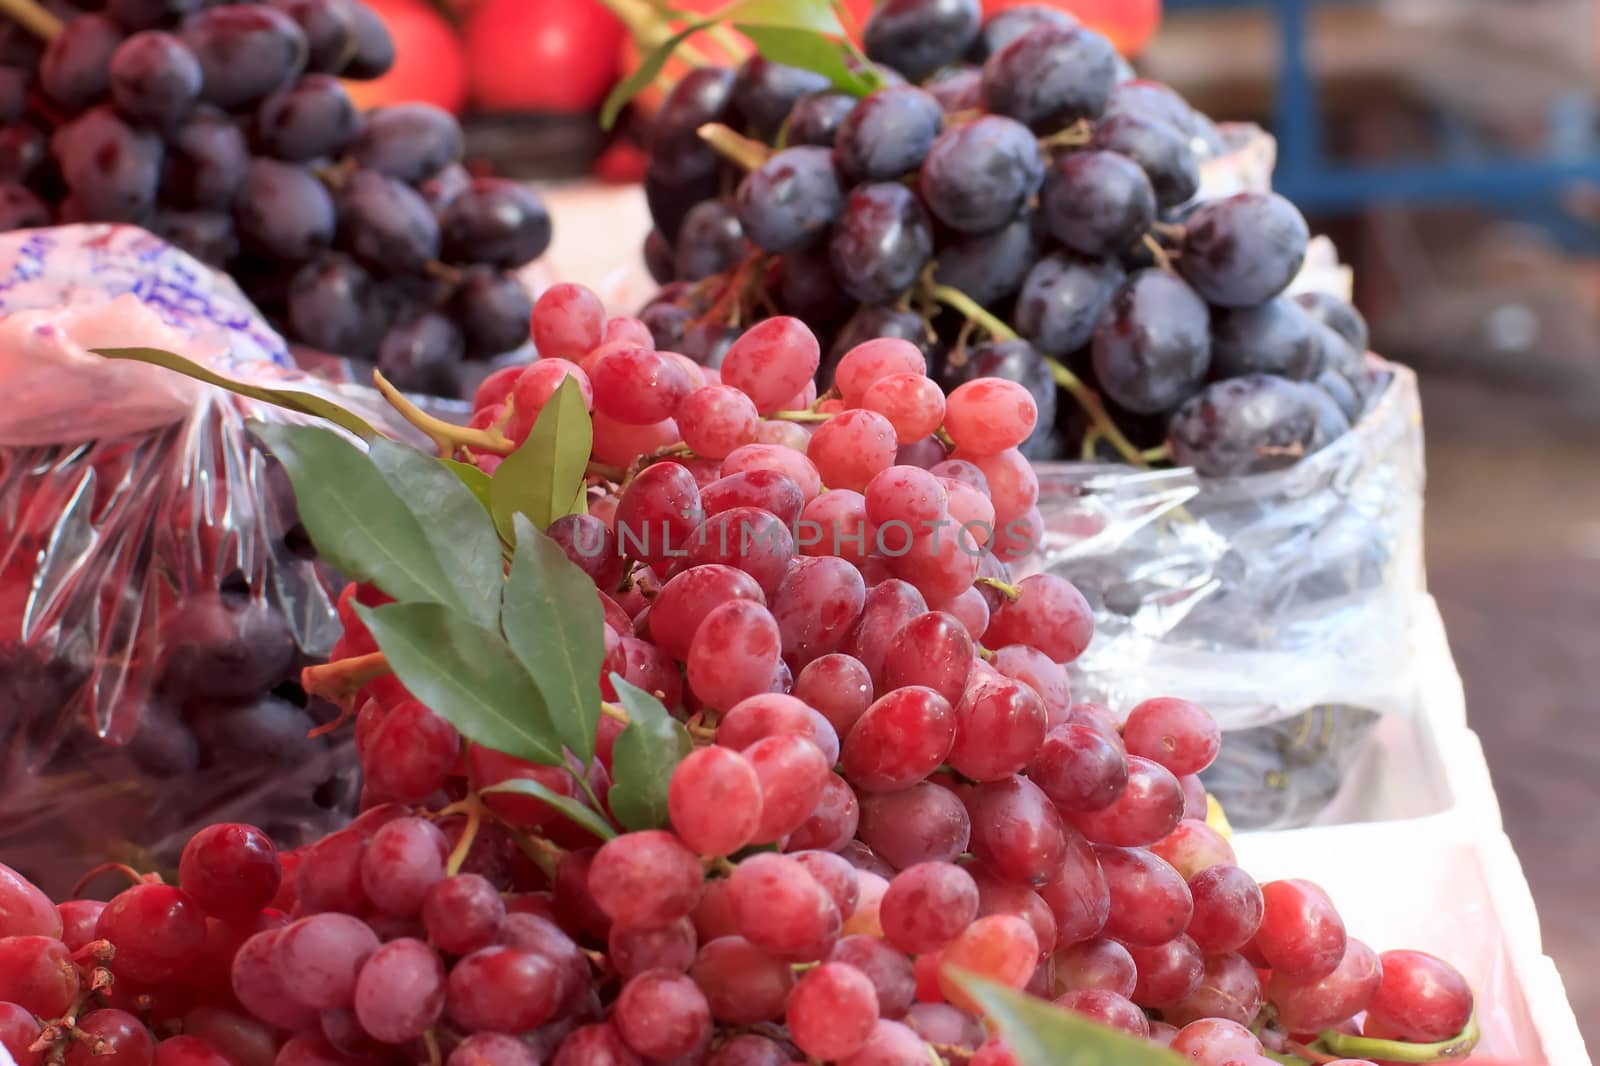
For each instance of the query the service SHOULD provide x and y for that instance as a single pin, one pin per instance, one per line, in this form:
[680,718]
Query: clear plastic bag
[1281,602]
[157,597]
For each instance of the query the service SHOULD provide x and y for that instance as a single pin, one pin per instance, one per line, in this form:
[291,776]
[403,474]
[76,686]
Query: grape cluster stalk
[1014,201]
[886,785]
[228,130]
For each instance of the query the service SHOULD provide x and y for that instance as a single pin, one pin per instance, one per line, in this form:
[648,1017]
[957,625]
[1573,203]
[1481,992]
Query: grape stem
[336,680]
[615,713]
[431,1042]
[1349,1046]
[33,17]
[1012,593]
[1162,257]
[734,147]
[118,867]
[1074,136]
[1159,454]
[446,436]
[799,416]
[458,854]
[1089,401]
[954,298]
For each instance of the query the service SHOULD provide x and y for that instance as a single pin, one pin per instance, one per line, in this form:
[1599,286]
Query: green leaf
[647,750]
[542,478]
[818,16]
[812,51]
[290,399]
[476,481]
[467,676]
[1042,1034]
[649,68]
[552,621]
[358,523]
[461,532]
[571,808]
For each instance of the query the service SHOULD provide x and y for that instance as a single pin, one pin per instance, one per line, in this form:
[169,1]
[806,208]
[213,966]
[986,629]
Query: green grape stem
[32,17]
[1349,1046]
[733,146]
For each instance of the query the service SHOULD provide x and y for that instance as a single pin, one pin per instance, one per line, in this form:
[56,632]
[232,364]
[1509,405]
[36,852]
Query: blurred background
[1452,150]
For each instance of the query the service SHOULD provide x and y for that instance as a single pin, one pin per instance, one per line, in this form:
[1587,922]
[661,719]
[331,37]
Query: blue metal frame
[1515,185]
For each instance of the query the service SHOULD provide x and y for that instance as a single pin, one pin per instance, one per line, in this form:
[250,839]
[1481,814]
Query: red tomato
[429,67]
[1129,23]
[542,55]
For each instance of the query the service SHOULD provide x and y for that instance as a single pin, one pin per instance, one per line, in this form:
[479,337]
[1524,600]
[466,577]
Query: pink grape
[792,772]
[972,610]
[1301,936]
[463,913]
[1229,988]
[888,606]
[1194,846]
[595,1045]
[568,322]
[1049,614]
[927,906]
[1079,769]
[645,879]
[1016,830]
[890,1043]
[832,1011]
[905,494]
[639,386]
[838,686]
[1148,808]
[851,448]
[400,991]
[765,489]
[834,873]
[734,654]
[999,726]
[1421,998]
[815,606]
[987,416]
[1107,1008]
[1000,947]
[970,510]
[933,650]
[1004,897]
[871,361]
[670,947]
[777,459]
[1096,963]
[1214,1041]
[1013,484]
[1228,908]
[410,753]
[924,823]
[912,403]
[747,539]
[1168,973]
[1038,671]
[742,983]
[689,597]
[504,989]
[889,971]
[772,361]
[1150,903]
[1311,1006]
[900,739]
[658,514]
[717,419]
[492,1049]
[835,523]
[1175,733]
[1077,893]
[619,444]
[781,908]
[322,955]
[833,822]
[714,801]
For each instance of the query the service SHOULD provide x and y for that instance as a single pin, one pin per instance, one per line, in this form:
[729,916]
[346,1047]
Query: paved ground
[1514,559]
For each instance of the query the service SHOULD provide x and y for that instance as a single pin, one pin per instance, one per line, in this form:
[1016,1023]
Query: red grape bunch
[226,129]
[1007,177]
[884,783]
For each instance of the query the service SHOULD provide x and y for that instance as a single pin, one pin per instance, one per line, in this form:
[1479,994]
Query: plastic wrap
[157,597]
[1281,602]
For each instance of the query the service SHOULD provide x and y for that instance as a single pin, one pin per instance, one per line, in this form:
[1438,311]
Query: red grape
[1421,998]
[1301,935]
[1175,733]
